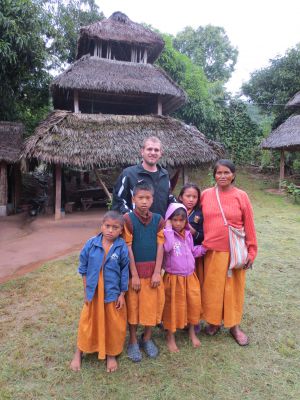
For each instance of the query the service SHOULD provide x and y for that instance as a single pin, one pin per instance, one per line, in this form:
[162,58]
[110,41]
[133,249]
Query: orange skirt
[222,297]
[200,270]
[102,328]
[145,307]
[183,301]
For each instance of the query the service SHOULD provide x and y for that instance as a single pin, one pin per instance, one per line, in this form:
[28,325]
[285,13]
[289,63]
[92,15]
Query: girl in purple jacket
[182,287]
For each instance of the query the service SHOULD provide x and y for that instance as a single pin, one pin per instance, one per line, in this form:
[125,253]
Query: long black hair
[190,185]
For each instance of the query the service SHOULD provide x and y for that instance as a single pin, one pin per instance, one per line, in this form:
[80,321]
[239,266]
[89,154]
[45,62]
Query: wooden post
[3,189]
[102,184]
[159,106]
[76,101]
[145,56]
[281,175]
[185,177]
[57,192]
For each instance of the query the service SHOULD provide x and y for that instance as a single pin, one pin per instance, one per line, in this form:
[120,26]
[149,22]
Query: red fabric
[238,212]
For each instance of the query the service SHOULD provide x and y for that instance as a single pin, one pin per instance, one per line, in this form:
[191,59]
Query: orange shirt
[238,212]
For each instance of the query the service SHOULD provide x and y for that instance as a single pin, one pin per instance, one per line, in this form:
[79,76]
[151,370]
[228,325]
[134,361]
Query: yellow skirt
[222,297]
[145,307]
[102,328]
[183,301]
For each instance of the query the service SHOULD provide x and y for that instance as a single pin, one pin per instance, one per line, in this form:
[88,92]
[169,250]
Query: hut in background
[11,136]
[286,137]
[109,100]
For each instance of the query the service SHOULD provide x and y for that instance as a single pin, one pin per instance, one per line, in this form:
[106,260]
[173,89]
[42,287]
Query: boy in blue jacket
[104,266]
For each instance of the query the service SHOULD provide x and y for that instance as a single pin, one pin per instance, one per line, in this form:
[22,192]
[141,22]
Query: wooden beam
[76,101]
[281,174]
[3,189]
[159,106]
[103,185]
[57,192]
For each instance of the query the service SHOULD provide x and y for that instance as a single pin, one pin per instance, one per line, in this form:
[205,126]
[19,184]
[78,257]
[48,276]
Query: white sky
[260,29]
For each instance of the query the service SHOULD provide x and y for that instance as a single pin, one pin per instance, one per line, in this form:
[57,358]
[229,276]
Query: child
[182,287]
[104,266]
[189,196]
[143,233]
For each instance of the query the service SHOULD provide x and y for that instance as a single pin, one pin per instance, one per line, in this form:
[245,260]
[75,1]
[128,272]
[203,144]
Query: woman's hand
[248,264]
[136,283]
[120,303]
[168,224]
[155,280]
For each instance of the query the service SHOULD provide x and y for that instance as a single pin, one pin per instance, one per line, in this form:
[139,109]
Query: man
[148,171]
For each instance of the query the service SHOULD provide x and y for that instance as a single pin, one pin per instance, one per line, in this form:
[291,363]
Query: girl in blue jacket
[104,266]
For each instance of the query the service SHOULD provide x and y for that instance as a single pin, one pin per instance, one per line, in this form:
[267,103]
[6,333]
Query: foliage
[65,18]
[208,47]
[292,190]
[24,79]
[272,87]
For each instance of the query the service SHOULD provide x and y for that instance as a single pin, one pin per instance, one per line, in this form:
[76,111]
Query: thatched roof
[10,141]
[86,140]
[119,28]
[98,75]
[286,136]
[294,101]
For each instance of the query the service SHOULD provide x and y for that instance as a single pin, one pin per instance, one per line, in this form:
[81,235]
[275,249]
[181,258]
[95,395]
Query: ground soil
[28,242]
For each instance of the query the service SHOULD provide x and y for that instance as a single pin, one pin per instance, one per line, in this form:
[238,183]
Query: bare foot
[76,362]
[111,364]
[171,343]
[195,341]
[239,336]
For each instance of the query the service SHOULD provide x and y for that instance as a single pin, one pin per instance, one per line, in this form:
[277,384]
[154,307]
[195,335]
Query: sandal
[134,352]
[212,330]
[241,342]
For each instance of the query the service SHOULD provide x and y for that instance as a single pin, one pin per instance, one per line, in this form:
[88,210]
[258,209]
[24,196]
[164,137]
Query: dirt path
[25,243]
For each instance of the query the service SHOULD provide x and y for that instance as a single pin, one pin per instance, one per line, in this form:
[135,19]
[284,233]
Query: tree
[24,81]
[210,48]
[272,87]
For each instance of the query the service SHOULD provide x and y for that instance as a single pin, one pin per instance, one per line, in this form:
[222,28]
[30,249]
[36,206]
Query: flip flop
[212,331]
[239,342]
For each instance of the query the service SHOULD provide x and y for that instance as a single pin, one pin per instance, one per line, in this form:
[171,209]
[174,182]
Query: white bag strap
[221,209]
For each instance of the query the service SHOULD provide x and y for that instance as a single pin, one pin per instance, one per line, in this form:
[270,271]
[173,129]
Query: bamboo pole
[57,192]
[281,174]
[76,101]
[145,56]
[102,184]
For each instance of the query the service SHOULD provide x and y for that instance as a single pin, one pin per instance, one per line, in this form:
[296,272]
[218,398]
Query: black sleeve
[198,226]
[122,195]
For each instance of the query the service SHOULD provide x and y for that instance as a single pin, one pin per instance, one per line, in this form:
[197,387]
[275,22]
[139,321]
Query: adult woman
[223,295]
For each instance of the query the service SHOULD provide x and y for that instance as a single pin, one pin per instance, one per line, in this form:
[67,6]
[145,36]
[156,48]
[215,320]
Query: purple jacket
[180,253]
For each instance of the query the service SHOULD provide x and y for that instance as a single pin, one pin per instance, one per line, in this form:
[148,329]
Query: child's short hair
[179,212]
[114,215]
[143,186]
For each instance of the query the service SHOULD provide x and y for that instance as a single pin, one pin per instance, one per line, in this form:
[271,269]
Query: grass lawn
[39,316]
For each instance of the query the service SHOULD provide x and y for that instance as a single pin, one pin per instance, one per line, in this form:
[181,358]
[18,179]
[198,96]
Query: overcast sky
[260,29]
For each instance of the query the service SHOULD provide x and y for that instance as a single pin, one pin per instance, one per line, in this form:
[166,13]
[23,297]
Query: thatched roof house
[103,140]
[10,147]
[116,29]
[11,134]
[101,82]
[286,136]
[294,101]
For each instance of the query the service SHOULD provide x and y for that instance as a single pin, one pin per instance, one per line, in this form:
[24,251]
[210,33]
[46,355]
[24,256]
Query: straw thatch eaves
[294,101]
[86,140]
[98,75]
[119,28]
[11,134]
[285,137]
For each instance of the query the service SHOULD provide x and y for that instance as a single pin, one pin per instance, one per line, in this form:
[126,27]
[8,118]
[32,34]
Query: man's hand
[136,283]
[155,280]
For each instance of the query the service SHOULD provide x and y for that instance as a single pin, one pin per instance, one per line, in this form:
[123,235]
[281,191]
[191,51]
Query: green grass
[39,316]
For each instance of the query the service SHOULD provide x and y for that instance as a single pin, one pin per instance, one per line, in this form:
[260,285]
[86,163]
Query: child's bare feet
[111,364]
[195,341]
[171,343]
[76,362]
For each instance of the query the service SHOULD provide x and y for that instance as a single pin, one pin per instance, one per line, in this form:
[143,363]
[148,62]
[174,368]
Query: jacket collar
[161,170]
[98,242]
